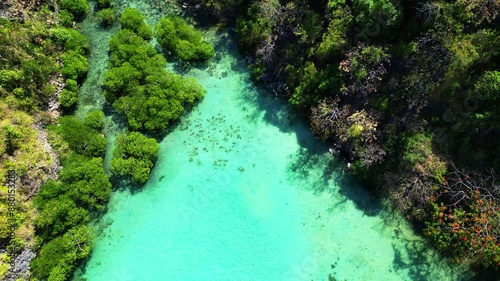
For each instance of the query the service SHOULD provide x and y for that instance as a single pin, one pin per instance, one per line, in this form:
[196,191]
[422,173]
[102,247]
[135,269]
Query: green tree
[50,190]
[86,182]
[77,7]
[75,65]
[335,37]
[68,99]
[375,16]
[418,155]
[69,96]
[50,256]
[60,256]
[120,81]
[103,4]
[58,216]
[488,86]
[80,137]
[94,119]
[176,36]
[71,39]
[125,44]
[464,219]
[66,18]
[134,156]
[106,16]
[133,19]
[13,137]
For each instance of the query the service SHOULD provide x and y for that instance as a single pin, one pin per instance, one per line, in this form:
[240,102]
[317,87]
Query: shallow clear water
[242,191]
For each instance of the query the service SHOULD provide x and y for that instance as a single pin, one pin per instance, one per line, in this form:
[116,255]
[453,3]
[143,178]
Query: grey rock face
[21,266]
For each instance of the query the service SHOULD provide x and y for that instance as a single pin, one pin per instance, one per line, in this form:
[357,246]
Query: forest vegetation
[54,158]
[139,87]
[137,84]
[407,92]
[43,60]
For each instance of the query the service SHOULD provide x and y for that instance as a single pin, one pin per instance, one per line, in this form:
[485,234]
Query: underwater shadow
[122,184]
[364,199]
[275,109]
[319,171]
[422,262]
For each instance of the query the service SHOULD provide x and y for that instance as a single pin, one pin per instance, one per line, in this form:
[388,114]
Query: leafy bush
[419,156]
[138,85]
[103,4]
[66,18]
[60,256]
[159,101]
[68,99]
[75,65]
[418,148]
[71,85]
[469,231]
[370,13]
[125,44]
[94,120]
[77,7]
[488,86]
[106,16]
[133,19]
[85,182]
[121,80]
[80,137]
[71,39]
[13,138]
[82,180]
[335,38]
[134,156]
[58,216]
[176,36]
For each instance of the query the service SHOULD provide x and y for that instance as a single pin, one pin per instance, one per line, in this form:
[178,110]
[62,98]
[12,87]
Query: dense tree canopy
[77,7]
[85,182]
[133,20]
[59,257]
[405,91]
[43,59]
[81,138]
[134,156]
[107,17]
[181,39]
[138,85]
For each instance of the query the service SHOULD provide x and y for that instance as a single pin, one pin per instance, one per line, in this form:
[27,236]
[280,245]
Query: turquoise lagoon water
[242,191]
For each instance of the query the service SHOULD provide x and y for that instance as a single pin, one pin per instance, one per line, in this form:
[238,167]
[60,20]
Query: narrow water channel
[243,191]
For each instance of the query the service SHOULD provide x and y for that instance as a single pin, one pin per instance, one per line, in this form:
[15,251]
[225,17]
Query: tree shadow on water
[364,199]
[123,184]
[319,171]
[421,262]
